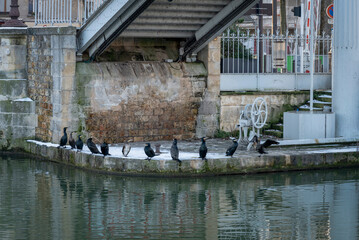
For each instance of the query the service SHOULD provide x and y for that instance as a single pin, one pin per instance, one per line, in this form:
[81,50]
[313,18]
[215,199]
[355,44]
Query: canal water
[44,200]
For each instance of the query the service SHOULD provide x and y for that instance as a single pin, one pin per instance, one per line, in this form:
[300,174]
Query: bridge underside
[195,22]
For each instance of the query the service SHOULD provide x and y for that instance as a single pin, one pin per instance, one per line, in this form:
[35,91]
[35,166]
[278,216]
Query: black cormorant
[149,151]
[230,151]
[72,141]
[126,148]
[105,148]
[203,149]
[174,151]
[260,147]
[92,146]
[79,143]
[63,139]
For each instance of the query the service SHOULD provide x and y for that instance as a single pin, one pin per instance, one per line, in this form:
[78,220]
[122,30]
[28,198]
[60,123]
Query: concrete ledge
[52,31]
[13,31]
[242,164]
[318,141]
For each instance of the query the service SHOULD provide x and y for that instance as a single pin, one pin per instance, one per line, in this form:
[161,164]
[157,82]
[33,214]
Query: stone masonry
[51,59]
[17,111]
[208,113]
[142,101]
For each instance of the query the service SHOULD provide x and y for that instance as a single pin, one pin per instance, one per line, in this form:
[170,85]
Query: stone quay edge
[286,160]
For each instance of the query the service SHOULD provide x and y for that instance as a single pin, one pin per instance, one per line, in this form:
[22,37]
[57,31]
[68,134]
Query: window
[4,6]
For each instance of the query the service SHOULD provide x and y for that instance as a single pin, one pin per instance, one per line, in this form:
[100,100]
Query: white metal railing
[55,12]
[243,52]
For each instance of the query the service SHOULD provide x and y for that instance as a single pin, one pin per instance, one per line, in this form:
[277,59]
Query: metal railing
[245,52]
[70,12]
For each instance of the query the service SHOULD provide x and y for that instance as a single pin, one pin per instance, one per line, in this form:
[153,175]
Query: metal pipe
[36,12]
[238,50]
[258,39]
[248,55]
[70,23]
[52,12]
[311,57]
[223,39]
[233,53]
[243,55]
[228,51]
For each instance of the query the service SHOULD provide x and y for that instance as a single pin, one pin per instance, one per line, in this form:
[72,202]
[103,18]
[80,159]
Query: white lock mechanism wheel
[259,112]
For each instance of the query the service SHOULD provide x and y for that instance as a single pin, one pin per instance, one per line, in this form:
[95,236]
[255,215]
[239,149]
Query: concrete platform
[285,157]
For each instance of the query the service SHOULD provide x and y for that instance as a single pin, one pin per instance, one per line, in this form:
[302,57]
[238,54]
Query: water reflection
[41,200]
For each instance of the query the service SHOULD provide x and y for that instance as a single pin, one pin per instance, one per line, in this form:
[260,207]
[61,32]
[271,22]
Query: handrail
[57,12]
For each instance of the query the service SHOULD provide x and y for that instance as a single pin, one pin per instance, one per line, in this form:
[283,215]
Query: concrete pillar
[345,68]
[209,110]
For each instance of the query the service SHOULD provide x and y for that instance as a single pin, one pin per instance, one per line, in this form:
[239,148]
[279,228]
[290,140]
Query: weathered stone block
[43,151]
[66,41]
[208,108]
[193,165]
[6,106]
[72,156]
[53,153]
[23,106]
[194,70]
[5,119]
[33,148]
[110,162]
[25,119]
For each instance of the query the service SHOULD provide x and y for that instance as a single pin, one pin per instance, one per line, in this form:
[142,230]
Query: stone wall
[277,102]
[17,112]
[142,101]
[114,101]
[51,57]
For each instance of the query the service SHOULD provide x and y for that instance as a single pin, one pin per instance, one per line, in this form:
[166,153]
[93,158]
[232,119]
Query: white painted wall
[273,82]
[308,125]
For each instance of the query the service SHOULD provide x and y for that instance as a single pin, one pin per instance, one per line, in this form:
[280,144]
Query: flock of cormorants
[149,151]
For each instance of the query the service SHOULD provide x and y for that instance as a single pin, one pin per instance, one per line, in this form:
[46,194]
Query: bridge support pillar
[345,68]
[209,110]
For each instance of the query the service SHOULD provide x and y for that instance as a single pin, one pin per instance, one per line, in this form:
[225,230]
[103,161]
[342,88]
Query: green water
[43,200]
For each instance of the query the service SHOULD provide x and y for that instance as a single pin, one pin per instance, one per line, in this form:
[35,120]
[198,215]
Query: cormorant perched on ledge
[203,149]
[63,139]
[92,146]
[230,151]
[105,148]
[79,143]
[260,147]
[149,151]
[72,141]
[174,151]
[126,148]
